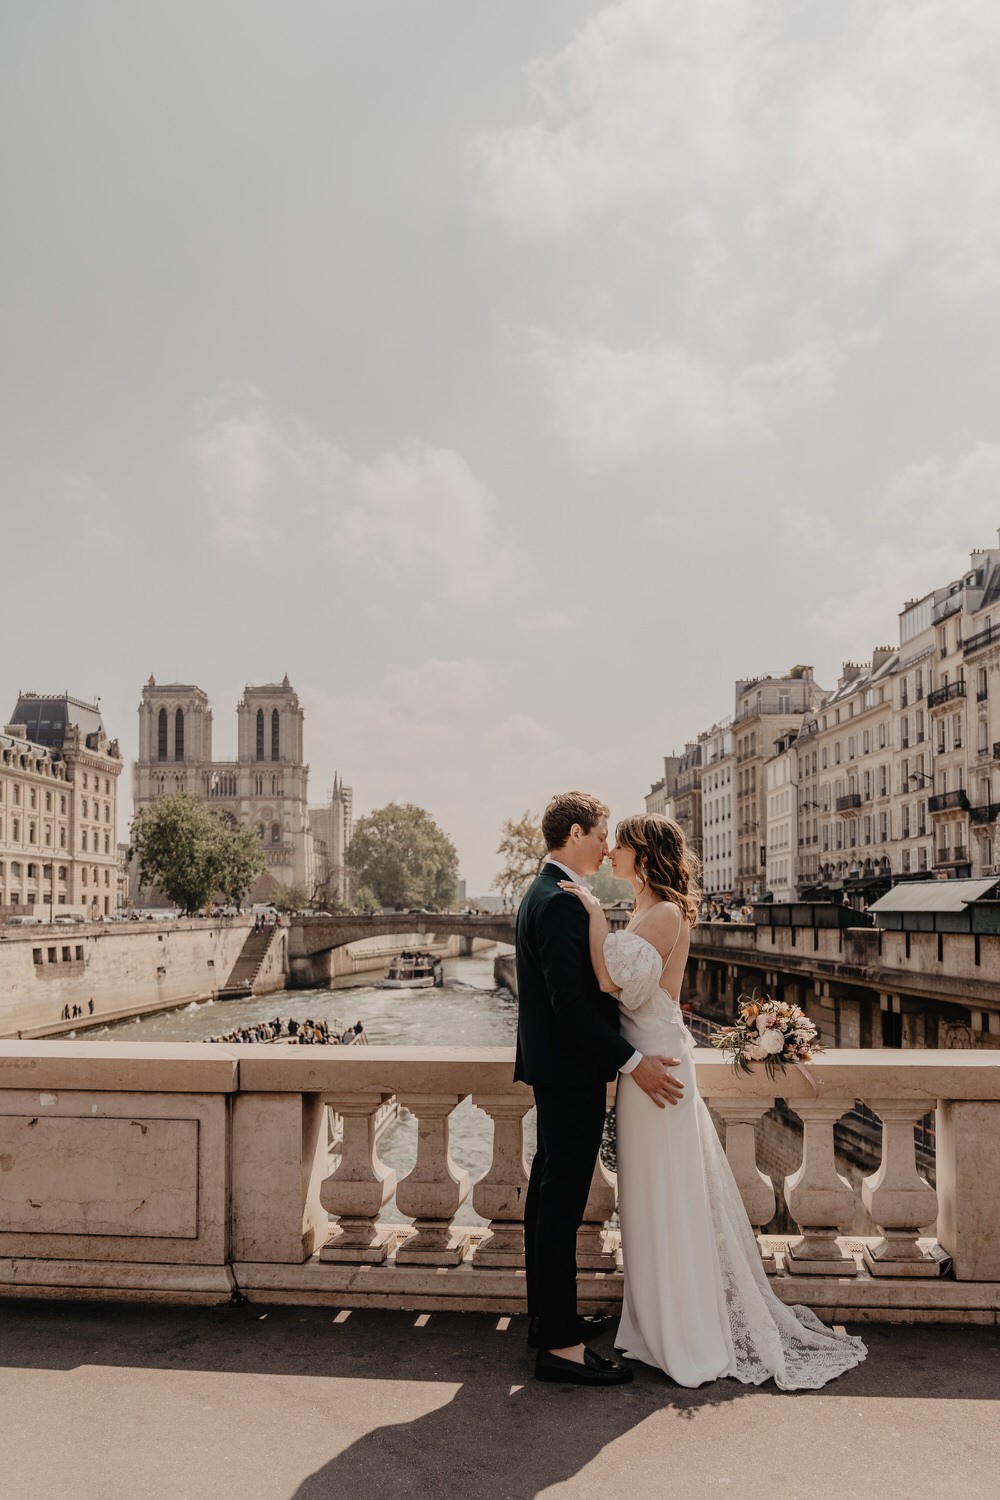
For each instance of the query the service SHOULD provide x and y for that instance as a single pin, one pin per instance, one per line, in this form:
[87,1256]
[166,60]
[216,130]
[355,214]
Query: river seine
[466,1011]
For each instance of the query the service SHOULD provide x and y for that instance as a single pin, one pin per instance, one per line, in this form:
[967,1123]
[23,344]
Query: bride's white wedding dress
[697,1302]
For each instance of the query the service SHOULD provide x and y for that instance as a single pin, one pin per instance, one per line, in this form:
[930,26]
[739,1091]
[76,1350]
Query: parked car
[23,922]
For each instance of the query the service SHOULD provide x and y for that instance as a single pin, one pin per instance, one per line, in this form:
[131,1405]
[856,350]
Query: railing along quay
[200,1173]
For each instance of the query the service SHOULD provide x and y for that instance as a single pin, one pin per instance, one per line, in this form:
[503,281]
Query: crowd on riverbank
[724,911]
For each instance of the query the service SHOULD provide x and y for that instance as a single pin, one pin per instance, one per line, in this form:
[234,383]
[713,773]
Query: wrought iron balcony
[957,856]
[985,814]
[981,638]
[947,801]
[946,694]
[849,800]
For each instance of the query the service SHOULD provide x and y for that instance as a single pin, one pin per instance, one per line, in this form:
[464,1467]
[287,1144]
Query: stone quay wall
[205,1173]
[122,970]
[943,987]
[505,972]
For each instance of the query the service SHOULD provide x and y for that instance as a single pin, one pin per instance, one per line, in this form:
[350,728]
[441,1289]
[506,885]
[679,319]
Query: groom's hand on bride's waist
[654,1078]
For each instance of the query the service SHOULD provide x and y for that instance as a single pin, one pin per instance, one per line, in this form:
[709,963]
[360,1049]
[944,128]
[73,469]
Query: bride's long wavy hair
[663,860]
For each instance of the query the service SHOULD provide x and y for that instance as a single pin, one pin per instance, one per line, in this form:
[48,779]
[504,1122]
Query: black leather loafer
[590,1326]
[595,1370]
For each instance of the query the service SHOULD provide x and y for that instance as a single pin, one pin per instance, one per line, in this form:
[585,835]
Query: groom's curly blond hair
[565,810]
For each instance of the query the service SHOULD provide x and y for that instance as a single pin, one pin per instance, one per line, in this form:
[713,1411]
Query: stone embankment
[107,973]
[505,972]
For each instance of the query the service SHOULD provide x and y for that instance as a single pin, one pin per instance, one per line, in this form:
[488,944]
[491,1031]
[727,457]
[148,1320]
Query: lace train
[769,1338]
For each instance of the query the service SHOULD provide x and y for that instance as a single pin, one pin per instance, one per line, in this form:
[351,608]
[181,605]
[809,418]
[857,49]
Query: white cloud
[550,620]
[897,141]
[615,405]
[873,134]
[648,99]
[916,537]
[417,514]
[423,507]
[238,454]
[439,687]
[93,513]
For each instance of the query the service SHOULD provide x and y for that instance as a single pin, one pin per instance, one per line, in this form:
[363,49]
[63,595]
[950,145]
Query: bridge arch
[310,936]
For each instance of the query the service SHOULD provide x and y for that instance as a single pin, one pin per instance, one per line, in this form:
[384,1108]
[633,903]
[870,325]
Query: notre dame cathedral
[266,786]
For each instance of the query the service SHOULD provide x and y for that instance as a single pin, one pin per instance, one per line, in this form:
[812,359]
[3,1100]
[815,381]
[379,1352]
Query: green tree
[403,856]
[290,898]
[365,899]
[607,888]
[523,851]
[192,853]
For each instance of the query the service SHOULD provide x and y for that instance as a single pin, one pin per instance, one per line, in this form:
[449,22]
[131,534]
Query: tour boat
[414,970]
[289,1031]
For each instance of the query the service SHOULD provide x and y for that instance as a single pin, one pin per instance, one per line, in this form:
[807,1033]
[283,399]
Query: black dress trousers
[570,1126]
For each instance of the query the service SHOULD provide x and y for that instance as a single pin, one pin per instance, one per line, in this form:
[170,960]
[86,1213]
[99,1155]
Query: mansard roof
[46,719]
[991,593]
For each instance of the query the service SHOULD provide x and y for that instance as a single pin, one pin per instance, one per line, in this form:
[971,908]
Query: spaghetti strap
[673,945]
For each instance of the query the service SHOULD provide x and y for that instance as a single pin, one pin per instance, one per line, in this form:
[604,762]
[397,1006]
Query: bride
[697,1303]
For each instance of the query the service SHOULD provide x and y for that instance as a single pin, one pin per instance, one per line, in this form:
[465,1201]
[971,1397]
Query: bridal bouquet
[768,1031]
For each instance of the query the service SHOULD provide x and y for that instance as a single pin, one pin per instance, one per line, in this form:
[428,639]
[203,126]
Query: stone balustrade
[189,1172]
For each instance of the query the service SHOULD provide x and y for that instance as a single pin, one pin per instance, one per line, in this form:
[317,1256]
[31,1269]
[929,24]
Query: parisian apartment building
[58,810]
[892,774]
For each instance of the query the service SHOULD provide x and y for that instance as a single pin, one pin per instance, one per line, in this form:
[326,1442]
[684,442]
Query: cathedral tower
[270,725]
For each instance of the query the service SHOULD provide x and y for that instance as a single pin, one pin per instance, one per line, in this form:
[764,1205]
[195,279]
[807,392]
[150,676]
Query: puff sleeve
[634,965]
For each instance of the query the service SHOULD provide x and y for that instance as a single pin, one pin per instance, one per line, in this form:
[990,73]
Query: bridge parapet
[312,935]
[191,1172]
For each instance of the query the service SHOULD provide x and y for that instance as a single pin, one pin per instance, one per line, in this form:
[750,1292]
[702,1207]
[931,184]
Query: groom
[568,1048]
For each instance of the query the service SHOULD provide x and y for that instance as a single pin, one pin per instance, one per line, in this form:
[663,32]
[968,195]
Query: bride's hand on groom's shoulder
[586,895]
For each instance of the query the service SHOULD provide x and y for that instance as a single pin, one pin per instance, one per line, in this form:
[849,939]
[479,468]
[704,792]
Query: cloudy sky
[513,376]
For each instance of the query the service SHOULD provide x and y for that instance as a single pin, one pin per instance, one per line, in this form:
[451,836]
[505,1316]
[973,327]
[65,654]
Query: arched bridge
[309,936]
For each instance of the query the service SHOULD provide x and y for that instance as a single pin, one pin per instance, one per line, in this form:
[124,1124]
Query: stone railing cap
[134,1067]
[860,1073]
[459,1070]
[193,1067]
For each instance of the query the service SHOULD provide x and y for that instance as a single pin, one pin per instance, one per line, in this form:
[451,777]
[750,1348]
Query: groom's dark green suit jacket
[567,1028]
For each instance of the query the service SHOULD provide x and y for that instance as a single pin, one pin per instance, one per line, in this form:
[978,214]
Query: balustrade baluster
[756,1190]
[499,1195]
[359,1187]
[818,1198]
[435,1189]
[896,1196]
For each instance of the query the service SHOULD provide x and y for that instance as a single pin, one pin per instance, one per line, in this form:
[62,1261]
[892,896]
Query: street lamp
[920,778]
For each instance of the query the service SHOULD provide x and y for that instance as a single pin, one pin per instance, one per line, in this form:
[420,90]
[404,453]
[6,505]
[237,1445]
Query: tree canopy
[191,852]
[522,848]
[607,888]
[364,899]
[401,854]
[523,851]
[290,898]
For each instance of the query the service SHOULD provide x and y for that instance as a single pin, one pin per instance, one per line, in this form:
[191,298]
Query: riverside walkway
[130,1402]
